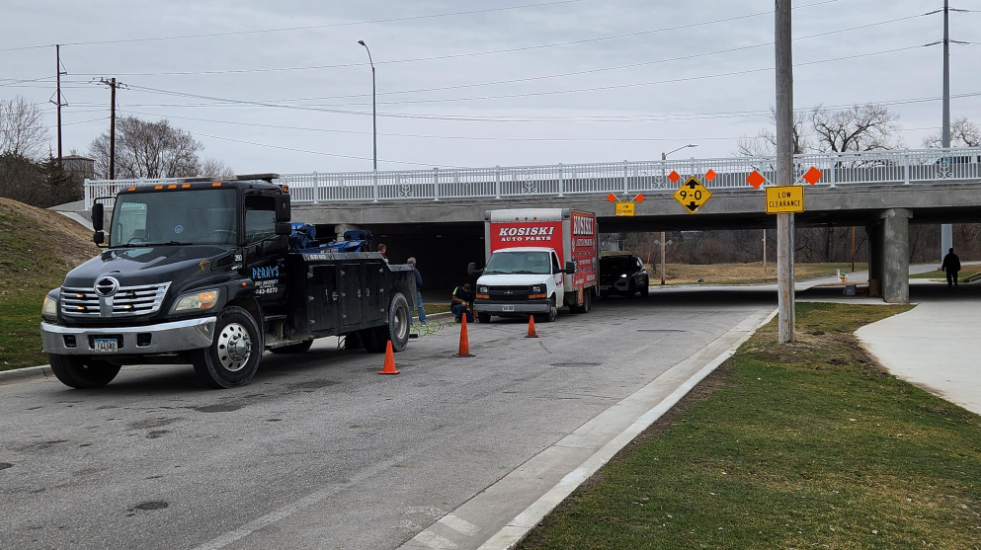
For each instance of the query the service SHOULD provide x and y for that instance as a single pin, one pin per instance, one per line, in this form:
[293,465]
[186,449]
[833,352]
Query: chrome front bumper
[498,308]
[163,338]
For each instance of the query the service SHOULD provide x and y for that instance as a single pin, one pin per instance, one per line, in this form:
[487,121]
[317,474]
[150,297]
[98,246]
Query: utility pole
[664,245]
[58,94]
[853,250]
[764,254]
[785,166]
[112,124]
[946,230]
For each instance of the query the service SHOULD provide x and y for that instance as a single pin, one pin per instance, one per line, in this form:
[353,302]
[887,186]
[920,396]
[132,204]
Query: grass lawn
[744,273]
[432,309]
[809,445]
[967,273]
[37,248]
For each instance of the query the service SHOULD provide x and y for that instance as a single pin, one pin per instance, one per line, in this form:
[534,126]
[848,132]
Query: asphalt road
[319,451]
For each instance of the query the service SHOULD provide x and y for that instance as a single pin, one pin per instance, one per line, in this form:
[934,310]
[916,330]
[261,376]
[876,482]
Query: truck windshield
[205,216]
[527,263]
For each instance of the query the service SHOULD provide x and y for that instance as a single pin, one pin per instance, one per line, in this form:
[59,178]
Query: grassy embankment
[810,445]
[726,274]
[37,248]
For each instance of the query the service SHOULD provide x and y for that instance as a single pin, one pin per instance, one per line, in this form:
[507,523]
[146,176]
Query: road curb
[25,374]
[518,528]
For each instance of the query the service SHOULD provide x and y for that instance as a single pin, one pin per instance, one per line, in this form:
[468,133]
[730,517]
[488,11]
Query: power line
[333,109]
[603,69]
[292,29]
[323,153]
[465,54]
[714,115]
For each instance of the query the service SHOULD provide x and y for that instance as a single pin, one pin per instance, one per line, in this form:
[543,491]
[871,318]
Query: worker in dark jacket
[462,302]
[422,312]
[951,265]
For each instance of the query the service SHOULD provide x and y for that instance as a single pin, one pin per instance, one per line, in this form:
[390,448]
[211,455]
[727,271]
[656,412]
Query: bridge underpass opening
[445,248]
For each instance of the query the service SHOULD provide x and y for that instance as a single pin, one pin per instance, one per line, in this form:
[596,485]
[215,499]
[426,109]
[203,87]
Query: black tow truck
[212,273]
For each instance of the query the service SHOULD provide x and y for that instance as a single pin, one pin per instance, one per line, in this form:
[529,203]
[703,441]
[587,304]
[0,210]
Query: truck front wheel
[483,317]
[553,312]
[233,357]
[82,373]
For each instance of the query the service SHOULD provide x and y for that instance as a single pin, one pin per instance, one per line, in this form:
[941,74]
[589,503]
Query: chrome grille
[127,301]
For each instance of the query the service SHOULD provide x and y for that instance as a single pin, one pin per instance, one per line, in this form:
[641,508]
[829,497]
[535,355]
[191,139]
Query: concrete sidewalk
[936,345]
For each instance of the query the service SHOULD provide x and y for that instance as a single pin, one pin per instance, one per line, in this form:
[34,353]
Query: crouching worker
[462,303]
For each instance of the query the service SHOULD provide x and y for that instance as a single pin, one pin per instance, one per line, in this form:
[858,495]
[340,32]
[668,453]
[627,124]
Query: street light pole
[374,113]
[664,157]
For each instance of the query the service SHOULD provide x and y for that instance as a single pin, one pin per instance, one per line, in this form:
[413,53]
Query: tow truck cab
[213,273]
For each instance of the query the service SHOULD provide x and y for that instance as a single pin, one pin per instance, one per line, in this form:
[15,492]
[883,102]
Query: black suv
[624,275]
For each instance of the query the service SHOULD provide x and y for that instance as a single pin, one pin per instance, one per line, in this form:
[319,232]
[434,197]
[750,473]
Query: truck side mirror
[97,213]
[570,267]
[282,209]
[473,271]
[98,237]
[284,228]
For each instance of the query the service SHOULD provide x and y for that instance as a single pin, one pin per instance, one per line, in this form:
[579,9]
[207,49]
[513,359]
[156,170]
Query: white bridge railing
[886,167]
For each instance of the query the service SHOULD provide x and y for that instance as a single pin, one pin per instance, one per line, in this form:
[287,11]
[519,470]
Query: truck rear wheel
[396,330]
[586,299]
[82,373]
[233,357]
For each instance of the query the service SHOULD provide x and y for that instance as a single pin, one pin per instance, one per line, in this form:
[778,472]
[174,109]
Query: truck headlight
[49,308]
[624,276]
[196,301]
[536,289]
[483,290]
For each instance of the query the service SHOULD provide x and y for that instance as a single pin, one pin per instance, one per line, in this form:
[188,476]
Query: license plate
[507,308]
[105,345]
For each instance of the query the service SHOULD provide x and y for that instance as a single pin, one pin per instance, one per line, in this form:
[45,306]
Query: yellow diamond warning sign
[780,200]
[692,195]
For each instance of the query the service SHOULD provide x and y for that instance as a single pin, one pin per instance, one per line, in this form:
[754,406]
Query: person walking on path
[951,265]
[422,311]
[461,303]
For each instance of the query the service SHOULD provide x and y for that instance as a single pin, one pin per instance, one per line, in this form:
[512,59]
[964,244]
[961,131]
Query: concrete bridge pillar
[894,238]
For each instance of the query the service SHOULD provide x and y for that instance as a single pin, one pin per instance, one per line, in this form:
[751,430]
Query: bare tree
[215,168]
[963,133]
[764,143]
[861,128]
[148,150]
[22,130]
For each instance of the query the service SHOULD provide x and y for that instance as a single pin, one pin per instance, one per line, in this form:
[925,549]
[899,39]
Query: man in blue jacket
[422,312]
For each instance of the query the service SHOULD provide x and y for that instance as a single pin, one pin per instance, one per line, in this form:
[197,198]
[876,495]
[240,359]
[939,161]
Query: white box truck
[537,260]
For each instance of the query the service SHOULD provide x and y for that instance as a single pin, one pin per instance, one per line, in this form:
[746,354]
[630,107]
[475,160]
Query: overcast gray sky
[658,101]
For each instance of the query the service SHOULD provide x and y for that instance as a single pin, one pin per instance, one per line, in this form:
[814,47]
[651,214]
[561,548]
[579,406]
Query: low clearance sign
[527,234]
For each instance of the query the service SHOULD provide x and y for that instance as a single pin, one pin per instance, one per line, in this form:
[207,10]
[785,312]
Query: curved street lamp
[374,115]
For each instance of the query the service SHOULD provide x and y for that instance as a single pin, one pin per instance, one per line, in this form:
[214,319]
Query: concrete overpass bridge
[437,215]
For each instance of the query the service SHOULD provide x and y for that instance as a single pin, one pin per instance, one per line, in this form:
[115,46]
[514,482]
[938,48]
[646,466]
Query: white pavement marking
[513,532]
[459,524]
[435,541]
[293,507]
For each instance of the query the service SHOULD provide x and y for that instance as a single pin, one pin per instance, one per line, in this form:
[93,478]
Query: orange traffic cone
[464,338]
[531,327]
[389,367]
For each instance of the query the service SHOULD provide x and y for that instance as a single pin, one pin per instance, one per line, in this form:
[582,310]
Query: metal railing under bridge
[884,167]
